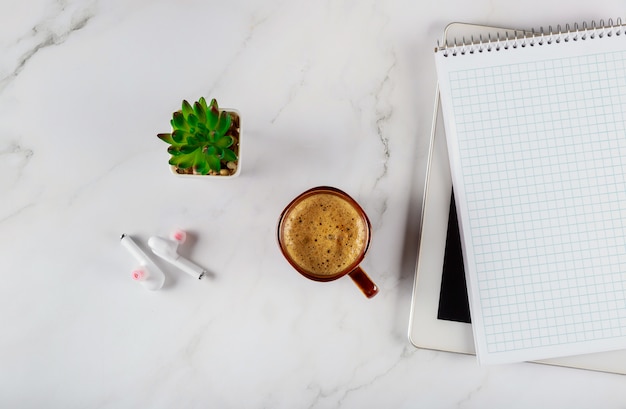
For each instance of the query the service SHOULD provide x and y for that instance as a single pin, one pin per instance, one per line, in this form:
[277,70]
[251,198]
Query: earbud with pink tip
[167,249]
[148,274]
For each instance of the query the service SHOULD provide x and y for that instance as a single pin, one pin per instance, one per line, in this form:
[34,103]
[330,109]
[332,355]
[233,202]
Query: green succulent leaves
[200,137]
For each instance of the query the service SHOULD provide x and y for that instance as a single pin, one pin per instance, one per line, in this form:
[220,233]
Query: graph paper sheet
[537,144]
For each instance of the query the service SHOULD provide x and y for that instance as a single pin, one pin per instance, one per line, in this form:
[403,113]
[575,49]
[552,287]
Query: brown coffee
[324,234]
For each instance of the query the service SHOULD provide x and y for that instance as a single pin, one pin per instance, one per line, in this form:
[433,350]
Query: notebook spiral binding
[532,38]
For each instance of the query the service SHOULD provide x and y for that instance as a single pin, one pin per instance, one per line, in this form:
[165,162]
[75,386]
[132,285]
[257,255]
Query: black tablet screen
[453,302]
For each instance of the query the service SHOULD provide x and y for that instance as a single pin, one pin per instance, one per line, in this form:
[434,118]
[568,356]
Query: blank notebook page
[537,142]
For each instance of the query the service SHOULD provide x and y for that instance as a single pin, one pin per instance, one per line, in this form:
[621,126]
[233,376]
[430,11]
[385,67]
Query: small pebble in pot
[231,165]
[224,172]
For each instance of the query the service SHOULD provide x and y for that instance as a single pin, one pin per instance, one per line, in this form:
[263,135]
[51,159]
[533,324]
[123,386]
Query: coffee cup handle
[362,281]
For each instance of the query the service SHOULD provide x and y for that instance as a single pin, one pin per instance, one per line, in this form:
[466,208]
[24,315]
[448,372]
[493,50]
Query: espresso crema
[324,234]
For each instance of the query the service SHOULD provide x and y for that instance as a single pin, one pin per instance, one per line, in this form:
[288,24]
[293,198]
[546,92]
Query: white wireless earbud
[167,249]
[148,274]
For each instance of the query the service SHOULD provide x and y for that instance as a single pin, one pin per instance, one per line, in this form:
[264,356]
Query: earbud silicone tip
[138,274]
[179,235]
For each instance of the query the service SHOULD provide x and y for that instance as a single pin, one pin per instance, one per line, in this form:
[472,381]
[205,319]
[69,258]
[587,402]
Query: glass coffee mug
[324,234]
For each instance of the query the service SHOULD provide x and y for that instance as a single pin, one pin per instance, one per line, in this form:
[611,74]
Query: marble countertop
[331,93]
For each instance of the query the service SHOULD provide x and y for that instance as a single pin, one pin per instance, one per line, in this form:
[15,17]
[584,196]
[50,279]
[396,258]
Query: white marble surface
[331,92]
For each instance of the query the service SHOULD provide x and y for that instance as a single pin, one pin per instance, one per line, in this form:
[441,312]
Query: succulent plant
[202,139]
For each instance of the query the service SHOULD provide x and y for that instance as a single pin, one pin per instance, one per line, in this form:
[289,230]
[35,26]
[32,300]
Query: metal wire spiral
[547,36]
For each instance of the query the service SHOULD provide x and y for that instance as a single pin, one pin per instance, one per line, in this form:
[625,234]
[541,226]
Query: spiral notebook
[536,134]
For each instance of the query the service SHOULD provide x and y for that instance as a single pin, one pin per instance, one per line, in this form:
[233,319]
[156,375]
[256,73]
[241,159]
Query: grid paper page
[537,142]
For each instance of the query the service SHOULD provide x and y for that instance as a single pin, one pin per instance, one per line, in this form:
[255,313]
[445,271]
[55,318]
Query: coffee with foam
[324,234]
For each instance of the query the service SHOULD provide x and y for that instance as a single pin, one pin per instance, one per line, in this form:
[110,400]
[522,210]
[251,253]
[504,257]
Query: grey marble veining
[331,93]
